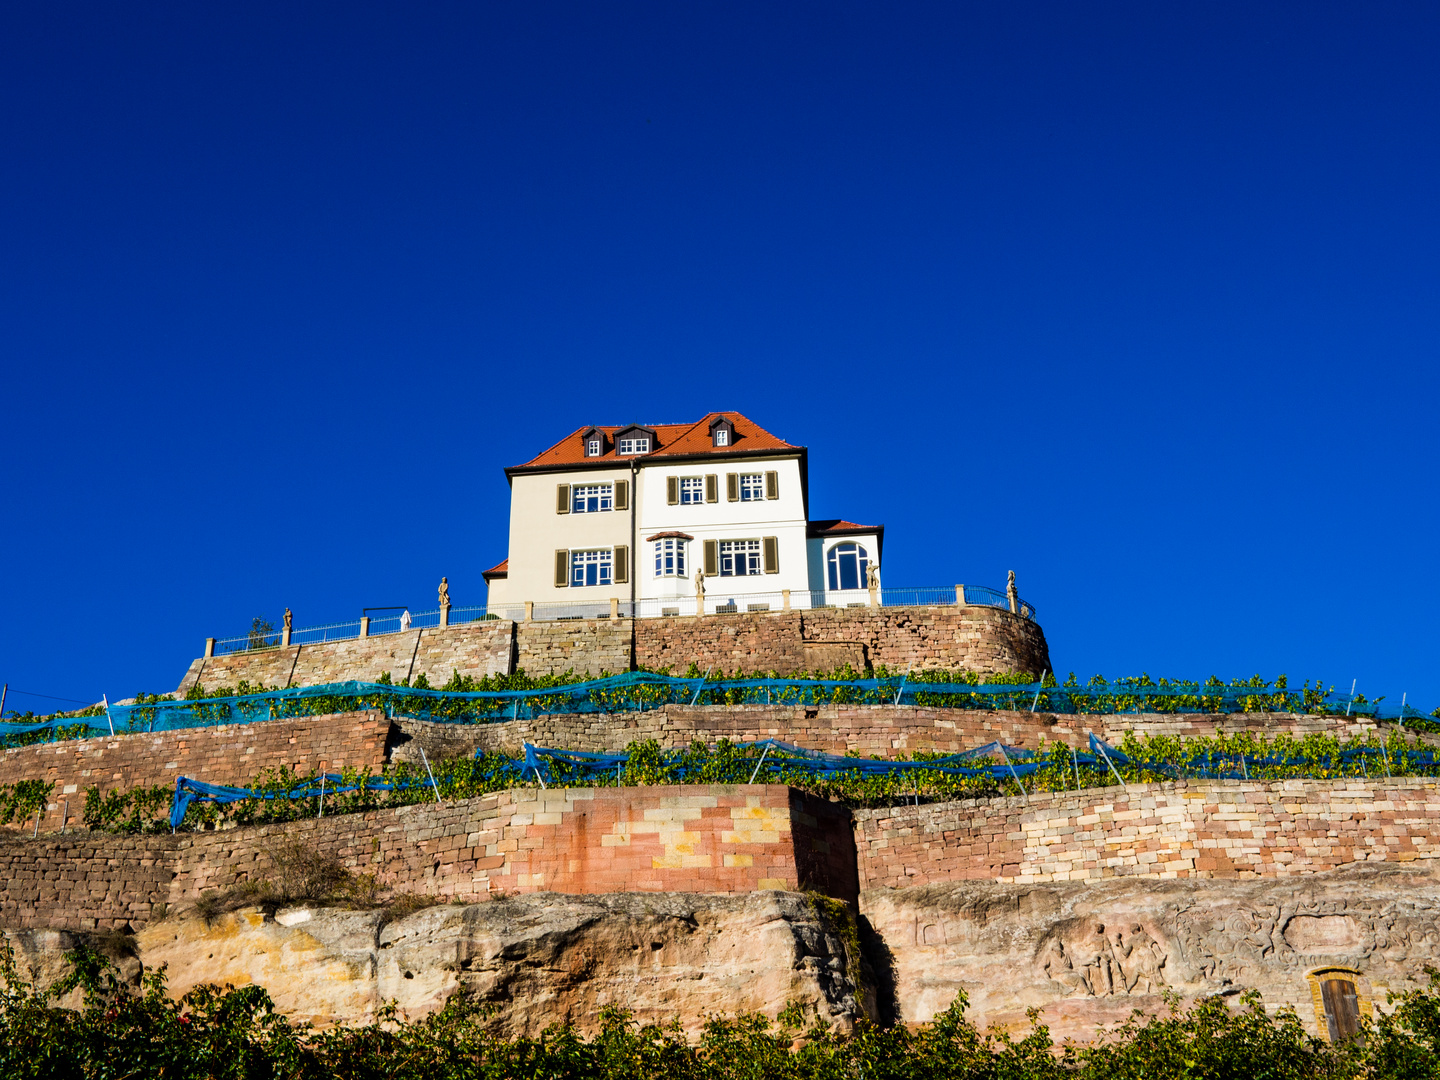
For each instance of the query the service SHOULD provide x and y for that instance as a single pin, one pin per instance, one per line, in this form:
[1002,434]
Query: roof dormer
[635,440]
[722,432]
[592,442]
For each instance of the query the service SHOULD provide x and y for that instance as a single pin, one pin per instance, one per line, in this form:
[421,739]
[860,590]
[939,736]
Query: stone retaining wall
[239,753]
[885,731]
[707,839]
[584,646]
[231,754]
[1208,829]
[982,639]
[943,638]
[476,649]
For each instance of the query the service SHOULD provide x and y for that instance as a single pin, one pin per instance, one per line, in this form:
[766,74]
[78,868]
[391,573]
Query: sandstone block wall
[707,839]
[873,730]
[969,638]
[1210,829]
[239,753]
[585,646]
[981,639]
[231,754]
[83,881]
[476,649]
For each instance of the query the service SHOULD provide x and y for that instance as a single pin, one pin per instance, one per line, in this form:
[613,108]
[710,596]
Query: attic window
[592,447]
[640,445]
[722,436]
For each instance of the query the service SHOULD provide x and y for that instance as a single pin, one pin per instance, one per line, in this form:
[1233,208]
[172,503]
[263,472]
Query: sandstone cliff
[540,959]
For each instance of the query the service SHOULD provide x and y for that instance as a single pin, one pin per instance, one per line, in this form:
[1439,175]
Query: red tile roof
[669,536]
[838,527]
[674,440]
[498,570]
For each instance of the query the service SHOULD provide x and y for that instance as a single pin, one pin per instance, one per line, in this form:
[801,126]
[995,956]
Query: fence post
[364,625]
[784,599]
[959,595]
[529,610]
[614,609]
[209,647]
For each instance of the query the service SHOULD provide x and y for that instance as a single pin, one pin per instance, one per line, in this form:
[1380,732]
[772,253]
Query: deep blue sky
[1137,300]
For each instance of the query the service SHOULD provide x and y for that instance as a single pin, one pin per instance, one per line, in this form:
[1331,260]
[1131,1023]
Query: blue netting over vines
[638,691]
[773,761]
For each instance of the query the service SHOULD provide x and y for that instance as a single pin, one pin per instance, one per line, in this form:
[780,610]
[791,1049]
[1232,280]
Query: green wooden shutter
[562,499]
[672,490]
[712,488]
[712,558]
[562,569]
[772,485]
[622,565]
[771,548]
[622,494]
[732,486]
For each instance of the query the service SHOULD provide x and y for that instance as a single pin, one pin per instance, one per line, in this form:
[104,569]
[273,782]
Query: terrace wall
[239,753]
[476,649]
[1203,829]
[707,839]
[872,730]
[982,639]
[230,754]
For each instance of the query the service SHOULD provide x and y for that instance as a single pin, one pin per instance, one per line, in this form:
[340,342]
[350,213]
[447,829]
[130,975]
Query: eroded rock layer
[540,958]
[1088,953]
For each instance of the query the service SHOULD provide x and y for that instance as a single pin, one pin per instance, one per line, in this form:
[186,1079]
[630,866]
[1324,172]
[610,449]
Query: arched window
[847,563]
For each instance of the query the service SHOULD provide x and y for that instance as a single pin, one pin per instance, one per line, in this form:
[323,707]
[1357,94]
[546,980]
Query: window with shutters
[739,558]
[639,445]
[846,565]
[670,558]
[752,487]
[592,498]
[592,567]
[592,447]
[692,490]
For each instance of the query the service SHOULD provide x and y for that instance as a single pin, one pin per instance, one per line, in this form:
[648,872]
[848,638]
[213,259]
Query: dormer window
[638,445]
[592,447]
[722,432]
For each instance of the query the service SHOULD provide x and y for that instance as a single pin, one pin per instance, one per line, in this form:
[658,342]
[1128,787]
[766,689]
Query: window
[592,498]
[592,447]
[635,446]
[692,490]
[752,487]
[739,558]
[847,563]
[670,558]
[592,567]
[722,436]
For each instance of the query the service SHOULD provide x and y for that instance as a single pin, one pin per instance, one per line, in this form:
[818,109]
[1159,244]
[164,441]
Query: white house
[634,513]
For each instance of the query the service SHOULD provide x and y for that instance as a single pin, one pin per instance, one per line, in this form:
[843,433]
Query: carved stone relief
[1087,953]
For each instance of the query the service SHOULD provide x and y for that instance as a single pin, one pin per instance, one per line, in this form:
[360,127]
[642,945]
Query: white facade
[721,497]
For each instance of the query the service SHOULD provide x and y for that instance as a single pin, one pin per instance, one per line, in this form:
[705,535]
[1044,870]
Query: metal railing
[718,601]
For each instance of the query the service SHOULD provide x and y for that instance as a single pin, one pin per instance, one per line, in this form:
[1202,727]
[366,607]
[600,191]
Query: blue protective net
[638,691]
[781,761]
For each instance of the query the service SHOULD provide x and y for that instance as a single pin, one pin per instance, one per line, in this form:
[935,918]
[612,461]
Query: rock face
[541,958]
[1090,953]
